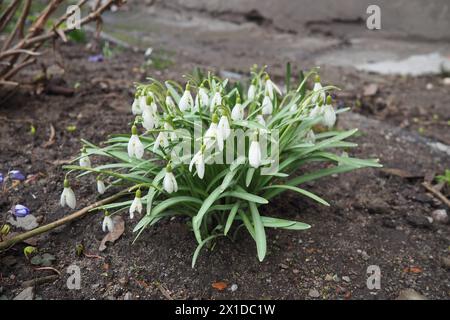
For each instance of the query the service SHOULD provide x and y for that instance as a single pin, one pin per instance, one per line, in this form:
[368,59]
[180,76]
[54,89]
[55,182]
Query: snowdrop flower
[310,137]
[254,154]
[317,87]
[271,87]
[215,101]
[84,160]
[238,112]
[108,223]
[135,146]
[68,196]
[251,92]
[223,129]
[136,107]
[267,107]
[161,140]
[260,120]
[136,205]
[329,116]
[203,96]
[100,186]
[170,103]
[170,183]
[21,211]
[170,131]
[211,134]
[199,161]
[186,101]
[149,117]
[316,111]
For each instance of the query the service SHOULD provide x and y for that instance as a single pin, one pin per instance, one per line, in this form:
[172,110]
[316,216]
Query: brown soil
[376,218]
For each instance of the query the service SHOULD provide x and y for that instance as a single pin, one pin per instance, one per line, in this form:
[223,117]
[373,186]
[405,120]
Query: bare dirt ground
[377,217]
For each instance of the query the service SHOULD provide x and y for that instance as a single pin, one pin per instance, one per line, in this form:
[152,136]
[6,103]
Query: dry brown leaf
[219,285]
[401,173]
[413,270]
[119,228]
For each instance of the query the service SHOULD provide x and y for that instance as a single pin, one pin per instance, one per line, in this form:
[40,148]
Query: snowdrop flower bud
[316,111]
[238,112]
[251,92]
[100,186]
[135,146]
[84,160]
[68,196]
[108,223]
[211,134]
[270,87]
[170,183]
[136,107]
[223,128]
[186,101]
[317,87]
[329,116]
[149,118]
[136,205]
[199,162]
[162,140]
[203,96]
[267,107]
[310,137]
[254,154]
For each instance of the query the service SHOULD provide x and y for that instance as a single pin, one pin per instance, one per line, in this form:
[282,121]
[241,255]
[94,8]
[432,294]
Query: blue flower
[96,58]
[1,178]
[16,175]
[21,211]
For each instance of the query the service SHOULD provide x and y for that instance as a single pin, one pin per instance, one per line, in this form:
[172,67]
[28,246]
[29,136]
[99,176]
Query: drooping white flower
[186,101]
[254,154]
[318,92]
[216,100]
[267,107]
[203,96]
[149,118]
[329,116]
[316,111]
[101,186]
[170,103]
[161,140]
[136,205]
[68,196]
[170,131]
[251,92]
[84,160]
[135,146]
[271,87]
[238,112]
[210,137]
[108,223]
[223,128]
[170,183]
[260,120]
[310,137]
[136,107]
[199,161]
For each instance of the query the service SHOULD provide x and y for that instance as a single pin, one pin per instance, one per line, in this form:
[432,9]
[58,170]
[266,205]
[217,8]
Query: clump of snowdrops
[215,152]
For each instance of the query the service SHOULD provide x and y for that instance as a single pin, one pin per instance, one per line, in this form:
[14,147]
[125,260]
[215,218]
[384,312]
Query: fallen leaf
[27,223]
[119,228]
[412,270]
[219,285]
[401,173]
[370,90]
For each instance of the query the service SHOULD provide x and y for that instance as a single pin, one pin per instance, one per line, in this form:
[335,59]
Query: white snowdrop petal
[101,186]
[255,154]
[267,107]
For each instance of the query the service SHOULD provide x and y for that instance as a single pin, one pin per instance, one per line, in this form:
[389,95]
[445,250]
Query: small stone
[370,90]
[446,81]
[364,255]
[233,287]
[26,294]
[346,278]
[284,266]
[128,296]
[446,262]
[336,278]
[377,206]
[410,294]
[26,223]
[418,221]
[329,277]
[295,271]
[429,86]
[440,216]
[313,293]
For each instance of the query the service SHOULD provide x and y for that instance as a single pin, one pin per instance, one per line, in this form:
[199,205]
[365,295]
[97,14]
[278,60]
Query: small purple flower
[1,178]
[16,175]
[96,58]
[21,211]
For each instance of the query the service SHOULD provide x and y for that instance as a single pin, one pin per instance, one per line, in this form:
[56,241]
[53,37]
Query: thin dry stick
[76,215]
[436,193]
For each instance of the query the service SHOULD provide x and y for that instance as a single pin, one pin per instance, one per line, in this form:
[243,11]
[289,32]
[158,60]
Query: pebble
[446,81]
[429,86]
[363,254]
[313,293]
[346,278]
[440,216]
[128,296]
[26,294]
[418,221]
[410,294]
[329,277]
[446,262]
[234,287]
